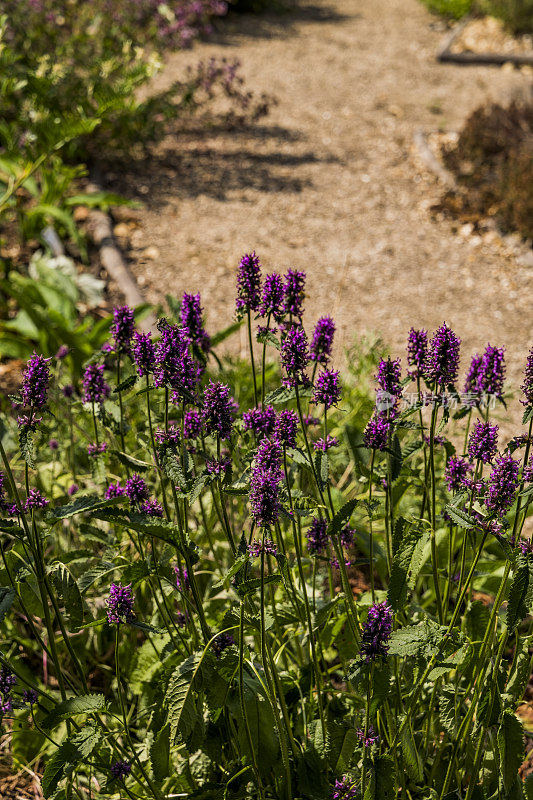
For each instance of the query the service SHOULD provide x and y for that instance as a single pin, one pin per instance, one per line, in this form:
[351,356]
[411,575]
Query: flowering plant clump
[263,579]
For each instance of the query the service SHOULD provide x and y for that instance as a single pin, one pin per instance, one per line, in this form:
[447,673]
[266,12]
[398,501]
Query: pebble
[152,253]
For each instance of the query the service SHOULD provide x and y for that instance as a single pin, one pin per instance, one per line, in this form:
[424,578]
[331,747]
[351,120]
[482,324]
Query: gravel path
[329,182]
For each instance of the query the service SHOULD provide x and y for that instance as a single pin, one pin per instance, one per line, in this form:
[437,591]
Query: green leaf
[226,332]
[382,780]
[528,415]
[134,463]
[7,596]
[341,517]
[26,445]
[341,741]
[411,756]
[448,711]
[520,593]
[170,463]
[396,458]
[421,641]
[68,593]
[84,704]
[83,504]
[160,754]
[460,517]
[180,698]
[510,746]
[403,569]
[65,758]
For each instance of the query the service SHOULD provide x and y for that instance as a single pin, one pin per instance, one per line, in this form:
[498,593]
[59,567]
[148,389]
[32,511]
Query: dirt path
[329,182]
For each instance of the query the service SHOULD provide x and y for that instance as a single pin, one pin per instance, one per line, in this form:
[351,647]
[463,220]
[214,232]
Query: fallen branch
[445,54]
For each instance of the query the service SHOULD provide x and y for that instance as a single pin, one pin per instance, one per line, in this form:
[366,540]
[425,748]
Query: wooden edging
[445,55]
[112,260]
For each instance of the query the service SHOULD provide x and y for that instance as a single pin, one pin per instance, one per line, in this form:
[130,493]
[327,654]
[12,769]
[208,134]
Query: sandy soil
[329,182]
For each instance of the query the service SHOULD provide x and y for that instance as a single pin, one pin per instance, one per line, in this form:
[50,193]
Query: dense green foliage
[243,659]
[516,14]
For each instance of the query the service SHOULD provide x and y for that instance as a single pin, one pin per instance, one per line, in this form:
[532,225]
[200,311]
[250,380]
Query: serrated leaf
[65,757]
[411,756]
[180,698]
[68,593]
[511,747]
[160,754]
[7,596]
[134,463]
[26,436]
[85,504]
[402,566]
[127,383]
[84,704]
[528,415]
[341,517]
[223,334]
[448,712]
[520,593]
[382,780]
[171,466]
[460,517]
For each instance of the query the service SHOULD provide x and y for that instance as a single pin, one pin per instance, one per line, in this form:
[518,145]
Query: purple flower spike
[376,632]
[326,444]
[122,328]
[182,578]
[35,500]
[417,345]
[218,409]
[389,385]
[472,376]
[152,508]
[295,356]
[317,536]
[30,696]
[221,643]
[34,389]
[268,456]
[120,604]
[73,489]
[264,497]
[248,284]
[483,442]
[259,420]
[322,341]
[192,320]
[376,434]
[442,360]
[136,489]
[272,297]
[492,371]
[114,490]
[345,789]
[192,424]
[294,289]
[94,385]
[327,389]
[7,681]
[286,427]
[120,769]
[370,739]
[143,353]
[62,352]
[257,547]
[502,485]
[456,472]
[527,386]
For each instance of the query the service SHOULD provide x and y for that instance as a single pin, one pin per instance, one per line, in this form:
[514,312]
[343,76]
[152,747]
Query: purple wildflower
[268,455]
[120,769]
[122,328]
[369,739]
[218,409]
[286,427]
[7,681]
[417,344]
[170,437]
[114,490]
[218,467]
[68,390]
[192,321]
[317,536]
[94,385]
[442,361]
[182,578]
[528,471]
[327,389]
[174,367]
[35,500]
[527,386]
[94,450]
[502,485]
[257,547]
[181,619]
[30,696]
[221,643]
[143,351]
[376,433]
[455,473]
[264,497]
[492,371]
[136,489]
[322,341]
[376,632]
[34,389]
[120,604]
[272,297]
[192,424]
[248,283]
[294,289]
[346,536]
[345,789]
[73,489]
[53,444]
[152,508]
[260,420]
[295,355]
[326,444]
[472,376]
[310,420]
[62,352]
[483,442]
